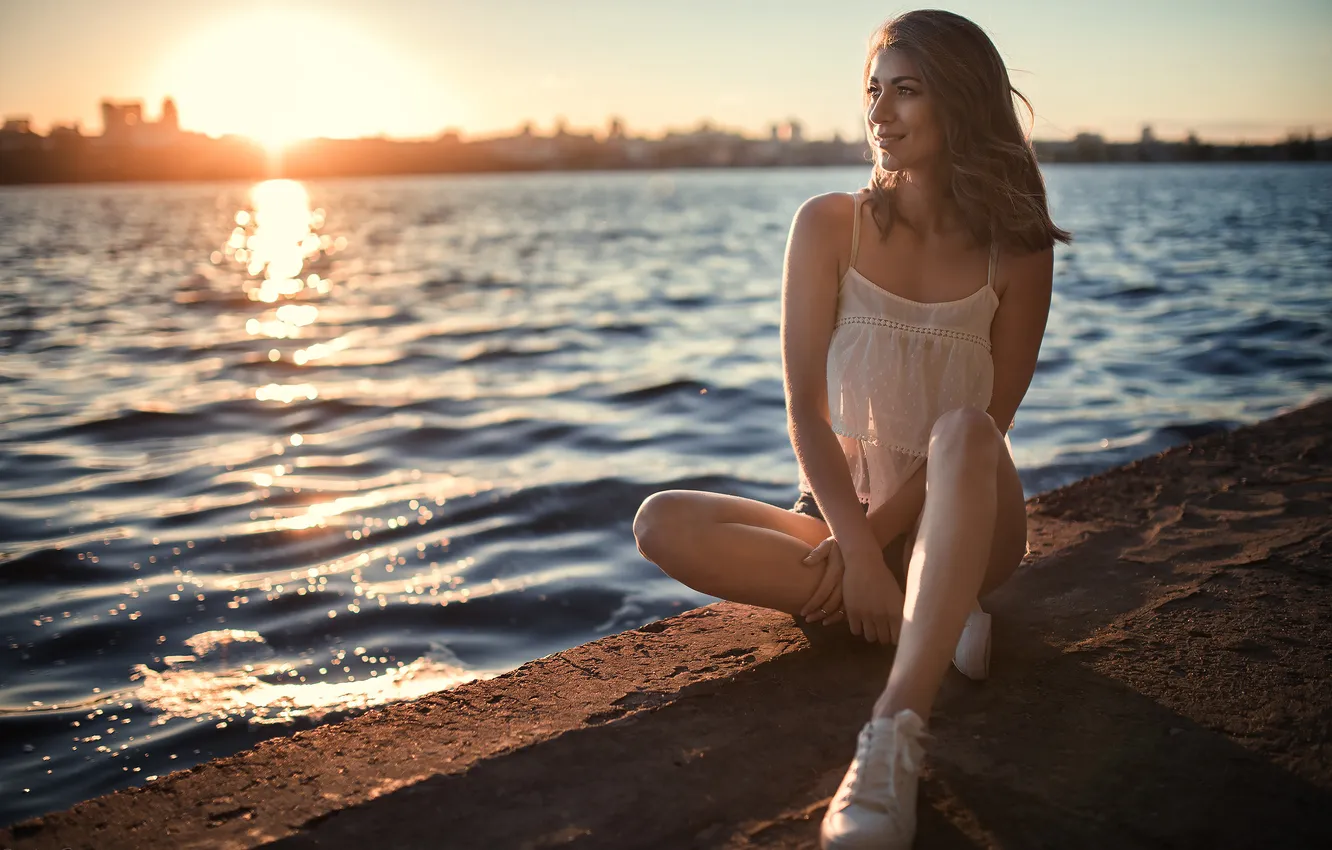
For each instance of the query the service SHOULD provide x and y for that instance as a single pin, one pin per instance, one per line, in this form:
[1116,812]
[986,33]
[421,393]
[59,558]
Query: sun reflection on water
[281,259]
[278,245]
[378,524]
[232,675]
[278,240]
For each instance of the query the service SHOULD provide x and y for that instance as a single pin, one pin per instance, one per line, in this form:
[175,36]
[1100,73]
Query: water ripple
[275,456]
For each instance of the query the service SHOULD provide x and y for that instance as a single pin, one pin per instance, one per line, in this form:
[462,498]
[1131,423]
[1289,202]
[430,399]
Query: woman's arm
[1017,330]
[809,310]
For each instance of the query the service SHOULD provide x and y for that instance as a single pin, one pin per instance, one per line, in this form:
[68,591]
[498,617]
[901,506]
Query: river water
[273,454]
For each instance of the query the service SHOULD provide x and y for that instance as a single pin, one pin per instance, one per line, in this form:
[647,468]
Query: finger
[819,552]
[838,612]
[871,634]
[814,607]
[853,622]
[834,603]
[892,629]
[817,607]
[887,634]
[818,611]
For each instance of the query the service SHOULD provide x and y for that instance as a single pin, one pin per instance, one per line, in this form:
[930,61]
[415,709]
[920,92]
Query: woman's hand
[872,599]
[826,603]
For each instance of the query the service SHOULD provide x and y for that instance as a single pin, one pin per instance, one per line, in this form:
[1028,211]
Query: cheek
[925,124]
[915,113]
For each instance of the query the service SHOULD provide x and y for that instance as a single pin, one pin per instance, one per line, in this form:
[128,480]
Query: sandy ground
[1160,679]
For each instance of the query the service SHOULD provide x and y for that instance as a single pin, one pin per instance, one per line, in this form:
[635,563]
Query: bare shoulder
[829,207]
[1028,272]
[822,226]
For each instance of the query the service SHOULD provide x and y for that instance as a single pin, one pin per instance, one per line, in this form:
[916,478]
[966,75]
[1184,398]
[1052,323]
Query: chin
[913,159]
[889,162]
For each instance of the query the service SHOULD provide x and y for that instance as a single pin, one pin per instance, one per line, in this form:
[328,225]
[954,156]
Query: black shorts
[806,505]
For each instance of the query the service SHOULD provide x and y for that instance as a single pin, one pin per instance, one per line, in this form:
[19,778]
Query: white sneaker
[875,806]
[972,656]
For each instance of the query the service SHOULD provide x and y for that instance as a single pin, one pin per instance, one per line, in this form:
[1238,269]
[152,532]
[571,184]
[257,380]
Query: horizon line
[701,125]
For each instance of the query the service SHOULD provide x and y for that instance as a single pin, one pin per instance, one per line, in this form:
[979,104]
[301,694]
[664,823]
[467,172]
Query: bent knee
[656,521]
[964,429]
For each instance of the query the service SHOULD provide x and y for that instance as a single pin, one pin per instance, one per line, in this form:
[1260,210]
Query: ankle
[891,704]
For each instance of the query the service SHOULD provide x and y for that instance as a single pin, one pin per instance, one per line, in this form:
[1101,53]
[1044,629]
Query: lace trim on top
[948,333]
[874,441]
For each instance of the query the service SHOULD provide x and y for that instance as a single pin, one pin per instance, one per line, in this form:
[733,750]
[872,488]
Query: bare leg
[970,537]
[730,547]
[972,533]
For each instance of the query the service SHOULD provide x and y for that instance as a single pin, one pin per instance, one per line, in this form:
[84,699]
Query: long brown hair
[993,176]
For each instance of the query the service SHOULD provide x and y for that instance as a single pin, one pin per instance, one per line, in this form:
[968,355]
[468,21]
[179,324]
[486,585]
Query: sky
[277,70]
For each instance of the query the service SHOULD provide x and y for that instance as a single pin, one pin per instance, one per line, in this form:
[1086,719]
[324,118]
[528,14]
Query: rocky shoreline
[1162,676]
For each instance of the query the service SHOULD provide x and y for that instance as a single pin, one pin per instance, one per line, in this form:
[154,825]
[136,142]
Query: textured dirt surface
[1160,679]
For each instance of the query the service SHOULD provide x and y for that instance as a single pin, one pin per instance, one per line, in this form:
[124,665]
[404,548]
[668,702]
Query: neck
[923,202]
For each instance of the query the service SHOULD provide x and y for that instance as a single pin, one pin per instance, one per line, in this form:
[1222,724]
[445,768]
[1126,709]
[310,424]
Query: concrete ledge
[1161,677]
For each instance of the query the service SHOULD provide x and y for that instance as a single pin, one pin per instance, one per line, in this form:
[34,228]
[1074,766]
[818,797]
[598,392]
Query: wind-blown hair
[993,176]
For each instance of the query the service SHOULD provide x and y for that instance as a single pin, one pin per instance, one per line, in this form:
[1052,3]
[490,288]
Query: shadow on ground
[1048,754]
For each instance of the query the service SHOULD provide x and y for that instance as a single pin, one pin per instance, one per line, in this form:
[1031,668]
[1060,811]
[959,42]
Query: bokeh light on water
[233,674]
[202,672]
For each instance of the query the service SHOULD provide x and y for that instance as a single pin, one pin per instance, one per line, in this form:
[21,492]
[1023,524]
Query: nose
[881,111]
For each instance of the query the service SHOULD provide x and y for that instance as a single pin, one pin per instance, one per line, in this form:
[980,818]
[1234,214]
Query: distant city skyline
[279,71]
[132,121]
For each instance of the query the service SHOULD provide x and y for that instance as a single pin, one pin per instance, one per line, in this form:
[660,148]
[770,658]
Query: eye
[872,91]
[903,91]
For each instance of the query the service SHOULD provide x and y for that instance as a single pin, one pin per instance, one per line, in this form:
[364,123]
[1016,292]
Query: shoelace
[906,752]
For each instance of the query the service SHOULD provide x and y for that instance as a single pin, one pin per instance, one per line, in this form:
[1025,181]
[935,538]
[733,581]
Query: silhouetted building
[123,124]
[17,134]
[120,119]
[1149,148]
[132,148]
[170,119]
[64,137]
[1089,147]
[790,132]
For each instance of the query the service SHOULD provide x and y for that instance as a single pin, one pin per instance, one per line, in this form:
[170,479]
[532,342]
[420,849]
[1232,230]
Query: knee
[965,431]
[656,517]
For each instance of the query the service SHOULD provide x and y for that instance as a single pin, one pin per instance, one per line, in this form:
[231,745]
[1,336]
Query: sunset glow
[278,69]
[277,76]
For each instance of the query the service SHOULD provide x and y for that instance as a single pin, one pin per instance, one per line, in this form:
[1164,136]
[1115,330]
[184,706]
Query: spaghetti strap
[994,262]
[855,232]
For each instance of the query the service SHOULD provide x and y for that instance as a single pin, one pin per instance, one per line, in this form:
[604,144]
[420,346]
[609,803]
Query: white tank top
[894,366]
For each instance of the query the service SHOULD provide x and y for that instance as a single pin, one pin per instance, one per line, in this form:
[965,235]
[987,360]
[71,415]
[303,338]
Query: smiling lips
[884,140]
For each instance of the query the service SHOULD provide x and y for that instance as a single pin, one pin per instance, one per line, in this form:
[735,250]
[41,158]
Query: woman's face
[900,121]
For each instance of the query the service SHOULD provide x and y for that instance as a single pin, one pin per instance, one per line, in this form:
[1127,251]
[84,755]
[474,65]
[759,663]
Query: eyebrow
[896,81]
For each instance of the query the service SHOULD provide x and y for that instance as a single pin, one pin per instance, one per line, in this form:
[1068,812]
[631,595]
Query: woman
[900,353]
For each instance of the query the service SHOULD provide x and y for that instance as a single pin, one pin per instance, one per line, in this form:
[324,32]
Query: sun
[279,75]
